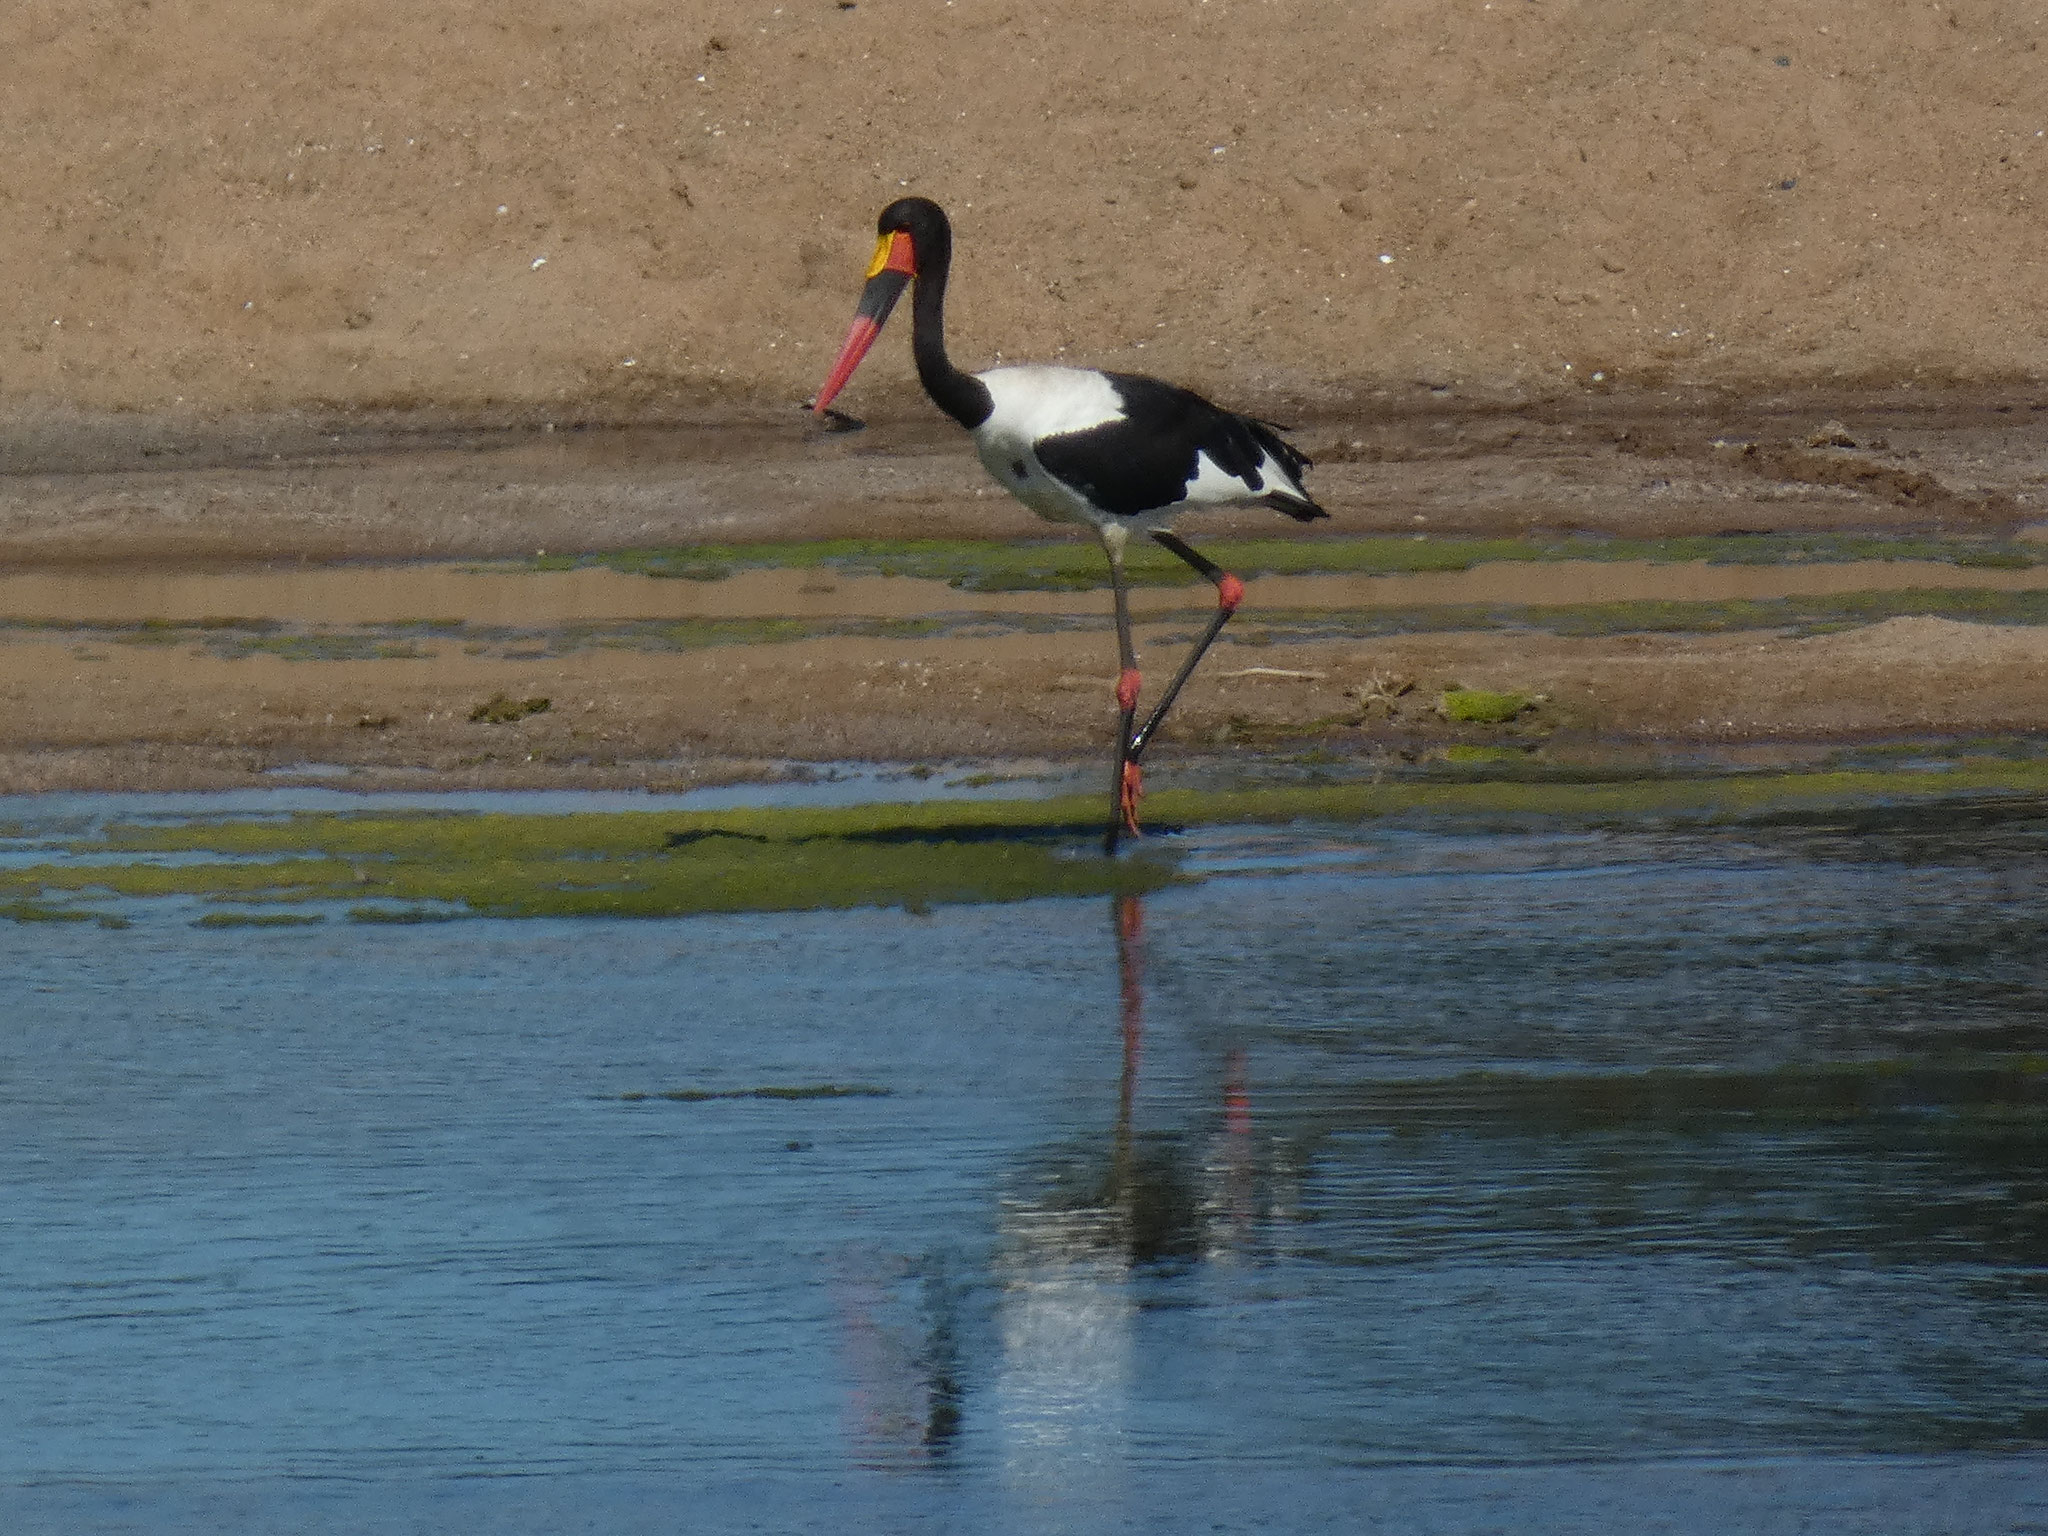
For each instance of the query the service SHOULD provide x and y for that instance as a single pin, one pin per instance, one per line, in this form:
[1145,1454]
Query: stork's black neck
[960,395]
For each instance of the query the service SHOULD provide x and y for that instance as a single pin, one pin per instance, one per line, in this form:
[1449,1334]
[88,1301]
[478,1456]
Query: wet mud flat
[1661,1152]
[602,678]
[664,607]
[160,491]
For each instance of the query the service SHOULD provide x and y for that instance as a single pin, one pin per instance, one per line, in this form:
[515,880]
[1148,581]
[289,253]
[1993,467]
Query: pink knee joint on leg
[1127,684]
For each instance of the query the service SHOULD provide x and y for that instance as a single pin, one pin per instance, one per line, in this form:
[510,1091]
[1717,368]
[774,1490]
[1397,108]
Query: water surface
[1393,1178]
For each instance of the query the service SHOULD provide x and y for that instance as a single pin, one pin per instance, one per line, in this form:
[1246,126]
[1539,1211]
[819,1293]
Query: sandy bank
[638,208]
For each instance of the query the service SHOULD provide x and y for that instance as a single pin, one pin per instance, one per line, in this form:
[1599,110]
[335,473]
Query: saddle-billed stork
[1117,451]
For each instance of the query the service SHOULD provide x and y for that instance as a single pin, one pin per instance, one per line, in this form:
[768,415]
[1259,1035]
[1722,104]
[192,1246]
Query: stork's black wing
[1145,459]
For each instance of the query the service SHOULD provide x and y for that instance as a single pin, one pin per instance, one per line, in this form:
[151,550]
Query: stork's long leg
[1229,593]
[1123,795]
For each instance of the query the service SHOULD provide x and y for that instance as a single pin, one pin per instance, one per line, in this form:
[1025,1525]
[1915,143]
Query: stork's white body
[1033,403]
[1101,430]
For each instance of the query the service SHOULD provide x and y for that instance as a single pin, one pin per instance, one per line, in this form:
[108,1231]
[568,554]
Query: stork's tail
[1292,500]
[1300,508]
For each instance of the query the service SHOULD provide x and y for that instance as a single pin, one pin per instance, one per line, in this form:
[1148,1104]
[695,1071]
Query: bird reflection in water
[1072,1251]
[1158,1199]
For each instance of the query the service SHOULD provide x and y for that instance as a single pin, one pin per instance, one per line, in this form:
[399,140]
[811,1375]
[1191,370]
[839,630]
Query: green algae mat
[1076,565]
[379,866]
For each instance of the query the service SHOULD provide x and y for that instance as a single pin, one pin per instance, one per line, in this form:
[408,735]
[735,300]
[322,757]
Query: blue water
[804,784]
[1398,1179]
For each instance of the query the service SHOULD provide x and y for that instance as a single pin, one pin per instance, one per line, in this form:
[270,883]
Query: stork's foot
[1128,793]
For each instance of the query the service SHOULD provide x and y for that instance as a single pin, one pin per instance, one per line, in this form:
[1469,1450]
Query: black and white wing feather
[1170,447]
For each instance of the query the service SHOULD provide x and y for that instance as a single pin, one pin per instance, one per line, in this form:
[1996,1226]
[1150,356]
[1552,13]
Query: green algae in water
[796,1092]
[269,877]
[259,920]
[37,912]
[403,915]
[1798,616]
[630,865]
[1072,565]
[1803,616]
[915,856]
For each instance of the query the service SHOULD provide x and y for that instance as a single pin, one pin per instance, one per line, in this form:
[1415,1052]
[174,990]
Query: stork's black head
[915,240]
[924,221]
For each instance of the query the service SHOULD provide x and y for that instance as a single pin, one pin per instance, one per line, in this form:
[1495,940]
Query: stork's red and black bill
[895,264]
